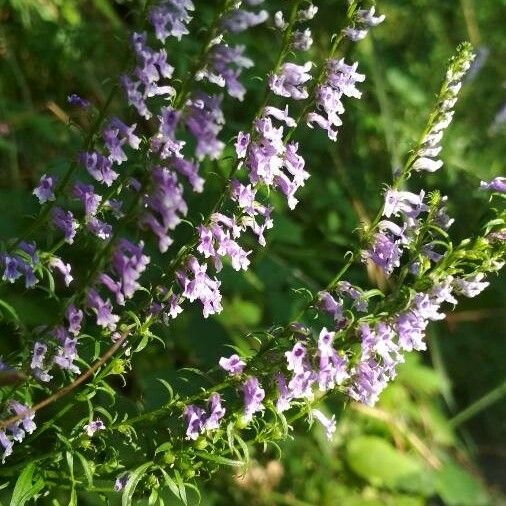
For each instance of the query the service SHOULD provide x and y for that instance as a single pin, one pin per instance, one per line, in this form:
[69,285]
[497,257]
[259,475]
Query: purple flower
[368,381]
[355,34]
[166,205]
[195,418]
[470,286]
[94,426]
[26,413]
[224,68]
[253,396]
[78,101]
[241,145]
[233,364]
[302,41]
[204,120]
[367,17]
[89,199]
[341,80]
[12,268]
[103,310]
[65,269]
[7,445]
[217,412]
[397,202]
[120,482]
[332,307]
[497,184]
[240,20]
[99,228]
[74,317]
[329,424]
[64,220]
[279,114]
[170,17]
[115,136]
[45,189]
[296,359]
[37,363]
[427,164]
[284,395]
[384,252]
[99,167]
[290,80]
[200,286]
[66,355]
[410,327]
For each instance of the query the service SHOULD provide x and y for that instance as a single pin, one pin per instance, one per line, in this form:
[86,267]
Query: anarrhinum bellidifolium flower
[127,192]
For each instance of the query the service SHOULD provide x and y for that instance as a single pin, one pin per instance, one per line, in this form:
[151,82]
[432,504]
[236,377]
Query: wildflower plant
[127,200]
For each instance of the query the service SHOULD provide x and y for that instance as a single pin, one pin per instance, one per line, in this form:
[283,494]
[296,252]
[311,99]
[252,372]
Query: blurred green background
[438,436]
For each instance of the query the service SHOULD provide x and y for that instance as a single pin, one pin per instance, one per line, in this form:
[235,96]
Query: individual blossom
[128,263]
[329,424]
[7,445]
[89,199]
[170,18]
[216,412]
[74,317]
[64,269]
[116,134]
[94,426]
[333,369]
[120,482]
[99,228]
[296,358]
[66,354]
[331,306]
[99,167]
[290,80]
[253,396]
[470,286]
[308,13]
[302,40]
[284,395]
[195,418]
[26,414]
[38,364]
[64,220]
[385,252]
[78,101]
[225,64]
[403,202]
[196,284]
[240,19]
[368,380]
[44,191]
[233,364]
[102,309]
[498,184]
[363,21]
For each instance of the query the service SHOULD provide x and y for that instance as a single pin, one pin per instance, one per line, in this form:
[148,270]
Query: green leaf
[133,481]
[378,462]
[9,309]
[219,459]
[25,489]
[180,487]
[170,483]
[86,467]
[457,487]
